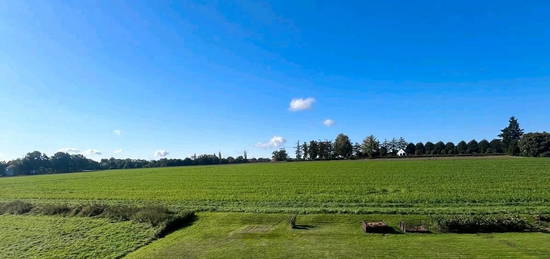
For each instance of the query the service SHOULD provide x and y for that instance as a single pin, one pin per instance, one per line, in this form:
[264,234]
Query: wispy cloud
[329,122]
[69,150]
[91,152]
[117,132]
[161,153]
[118,151]
[300,104]
[274,142]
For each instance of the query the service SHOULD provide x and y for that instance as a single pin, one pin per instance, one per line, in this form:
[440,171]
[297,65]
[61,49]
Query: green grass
[410,186]
[30,236]
[243,235]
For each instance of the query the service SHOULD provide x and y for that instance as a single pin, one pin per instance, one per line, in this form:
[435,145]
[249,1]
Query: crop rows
[411,186]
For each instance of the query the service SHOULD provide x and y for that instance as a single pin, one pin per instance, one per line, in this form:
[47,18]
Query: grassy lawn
[69,237]
[407,186]
[244,235]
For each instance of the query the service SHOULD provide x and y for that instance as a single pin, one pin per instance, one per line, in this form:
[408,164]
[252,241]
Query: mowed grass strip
[244,235]
[408,186]
[27,236]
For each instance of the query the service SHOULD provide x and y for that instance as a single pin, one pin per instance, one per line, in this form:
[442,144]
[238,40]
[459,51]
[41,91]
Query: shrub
[154,215]
[15,207]
[53,209]
[91,210]
[483,224]
[119,213]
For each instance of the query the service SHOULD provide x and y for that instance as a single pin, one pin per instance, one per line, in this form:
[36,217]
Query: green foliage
[52,209]
[535,144]
[15,207]
[484,224]
[484,146]
[511,136]
[429,148]
[298,151]
[439,148]
[420,149]
[370,146]
[342,146]
[410,149]
[496,146]
[473,147]
[280,155]
[462,147]
[450,148]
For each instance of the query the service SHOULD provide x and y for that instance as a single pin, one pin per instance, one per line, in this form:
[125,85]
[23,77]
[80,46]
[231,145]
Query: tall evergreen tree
[370,146]
[298,151]
[511,136]
[313,149]
[305,149]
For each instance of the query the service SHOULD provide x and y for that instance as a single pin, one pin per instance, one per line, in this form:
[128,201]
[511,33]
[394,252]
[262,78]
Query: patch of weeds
[52,209]
[484,224]
[15,207]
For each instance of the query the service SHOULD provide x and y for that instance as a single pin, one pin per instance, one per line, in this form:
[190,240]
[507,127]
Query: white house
[401,152]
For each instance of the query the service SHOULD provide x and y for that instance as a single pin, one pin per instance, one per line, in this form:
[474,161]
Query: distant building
[401,152]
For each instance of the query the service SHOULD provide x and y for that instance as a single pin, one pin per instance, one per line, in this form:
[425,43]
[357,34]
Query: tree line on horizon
[35,163]
[512,141]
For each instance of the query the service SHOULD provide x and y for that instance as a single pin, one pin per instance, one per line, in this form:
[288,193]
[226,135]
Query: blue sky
[202,76]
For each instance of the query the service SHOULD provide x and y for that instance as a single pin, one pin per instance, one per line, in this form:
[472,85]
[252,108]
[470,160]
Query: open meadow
[243,210]
[484,185]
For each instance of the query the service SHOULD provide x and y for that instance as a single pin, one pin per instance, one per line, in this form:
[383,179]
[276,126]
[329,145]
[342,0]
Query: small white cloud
[69,150]
[300,104]
[329,122]
[274,142]
[118,151]
[91,152]
[117,132]
[161,153]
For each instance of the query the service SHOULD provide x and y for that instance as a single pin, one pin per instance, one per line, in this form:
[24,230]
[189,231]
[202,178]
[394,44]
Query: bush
[15,207]
[53,209]
[483,224]
[91,210]
[154,215]
[119,213]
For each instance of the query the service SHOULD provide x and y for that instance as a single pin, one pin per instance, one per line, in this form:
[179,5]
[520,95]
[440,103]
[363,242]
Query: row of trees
[39,163]
[342,148]
[512,141]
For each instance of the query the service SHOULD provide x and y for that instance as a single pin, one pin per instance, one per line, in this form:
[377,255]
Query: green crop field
[409,186]
[245,209]
[69,237]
